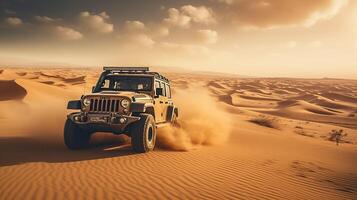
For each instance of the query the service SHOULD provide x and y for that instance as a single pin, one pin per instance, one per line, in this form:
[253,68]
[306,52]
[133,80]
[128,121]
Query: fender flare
[138,107]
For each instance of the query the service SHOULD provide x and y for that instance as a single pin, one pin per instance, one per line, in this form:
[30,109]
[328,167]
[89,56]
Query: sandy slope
[221,153]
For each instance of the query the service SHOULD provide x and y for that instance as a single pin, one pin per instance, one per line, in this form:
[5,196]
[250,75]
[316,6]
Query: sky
[269,38]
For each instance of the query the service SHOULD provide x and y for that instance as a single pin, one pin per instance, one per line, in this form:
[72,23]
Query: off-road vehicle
[125,100]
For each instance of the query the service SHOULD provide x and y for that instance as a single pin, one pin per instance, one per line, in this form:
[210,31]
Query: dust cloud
[202,121]
[43,120]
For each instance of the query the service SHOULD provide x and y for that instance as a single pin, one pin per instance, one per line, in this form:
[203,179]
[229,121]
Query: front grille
[100,104]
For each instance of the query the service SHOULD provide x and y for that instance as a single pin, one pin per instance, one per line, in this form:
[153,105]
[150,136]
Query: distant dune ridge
[221,150]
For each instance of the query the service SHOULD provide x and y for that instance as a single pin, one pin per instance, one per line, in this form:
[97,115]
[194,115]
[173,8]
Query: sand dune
[303,106]
[328,103]
[10,90]
[75,80]
[217,154]
[340,97]
[49,75]
[22,73]
[300,99]
[48,82]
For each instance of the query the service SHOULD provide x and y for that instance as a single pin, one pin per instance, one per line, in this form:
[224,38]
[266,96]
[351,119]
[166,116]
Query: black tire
[143,134]
[74,136]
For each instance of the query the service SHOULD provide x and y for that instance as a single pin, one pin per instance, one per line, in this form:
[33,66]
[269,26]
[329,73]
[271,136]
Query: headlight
[125,103]
[86,102]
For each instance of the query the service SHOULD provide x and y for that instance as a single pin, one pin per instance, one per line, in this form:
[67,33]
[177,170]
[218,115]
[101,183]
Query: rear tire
[143,134]
[74,136]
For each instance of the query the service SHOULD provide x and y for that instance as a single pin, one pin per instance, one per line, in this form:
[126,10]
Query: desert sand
[240,138]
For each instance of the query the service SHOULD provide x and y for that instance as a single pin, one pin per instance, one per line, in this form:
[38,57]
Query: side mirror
[74,105]
[159,91]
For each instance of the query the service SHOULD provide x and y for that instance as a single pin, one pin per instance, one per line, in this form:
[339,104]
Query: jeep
[125,100]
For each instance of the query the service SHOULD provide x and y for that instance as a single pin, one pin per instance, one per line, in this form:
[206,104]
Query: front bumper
[113,122]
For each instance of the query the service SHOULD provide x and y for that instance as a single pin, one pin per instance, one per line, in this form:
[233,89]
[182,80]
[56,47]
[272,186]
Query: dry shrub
[337,135]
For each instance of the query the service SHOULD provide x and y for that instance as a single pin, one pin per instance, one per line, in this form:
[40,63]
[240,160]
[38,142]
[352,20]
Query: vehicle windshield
[126,83]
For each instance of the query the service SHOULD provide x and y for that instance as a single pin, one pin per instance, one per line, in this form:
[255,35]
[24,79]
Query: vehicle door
[167,100]
[159,102]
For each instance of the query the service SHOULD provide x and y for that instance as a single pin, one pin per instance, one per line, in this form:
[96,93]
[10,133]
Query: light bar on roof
[127,69]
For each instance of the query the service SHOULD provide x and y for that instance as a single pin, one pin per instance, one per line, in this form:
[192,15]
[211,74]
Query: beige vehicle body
[121,97]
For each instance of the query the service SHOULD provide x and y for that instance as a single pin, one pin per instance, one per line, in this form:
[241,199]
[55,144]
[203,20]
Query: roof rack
[133,70]
[126,69]
[159,76]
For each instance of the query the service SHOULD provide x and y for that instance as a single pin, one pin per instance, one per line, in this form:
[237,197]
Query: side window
[168,91]
[164,89]
[157,84]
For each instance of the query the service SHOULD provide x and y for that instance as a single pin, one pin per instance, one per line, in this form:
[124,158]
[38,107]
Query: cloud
[142,39]
[160,31]
[157,30]
[134,26]
[45,19]
[207,36]
[276,13]
[97,23]
[14,21]
[67,33]
[229,2]
[175,49]
[189,14]
[136,33]
[199,14]
[144,34]
[135,40]
[177,19]
[104,15]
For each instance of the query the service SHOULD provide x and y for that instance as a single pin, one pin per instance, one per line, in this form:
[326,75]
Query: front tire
[143,134]
[74,136]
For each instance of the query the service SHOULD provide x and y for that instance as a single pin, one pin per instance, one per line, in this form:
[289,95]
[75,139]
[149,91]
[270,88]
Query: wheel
[74,136]
[143,134]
